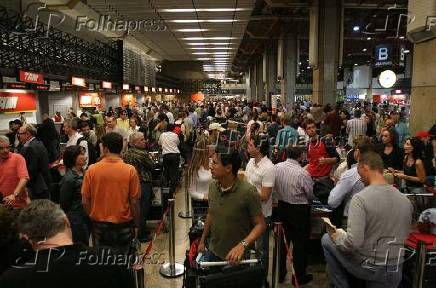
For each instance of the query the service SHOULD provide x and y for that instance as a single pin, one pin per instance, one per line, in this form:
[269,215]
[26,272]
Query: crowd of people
[358,160]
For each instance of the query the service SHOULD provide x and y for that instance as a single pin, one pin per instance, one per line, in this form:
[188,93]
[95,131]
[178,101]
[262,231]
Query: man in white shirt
[169,114]
[73,136]
[169,142]
[260,173]
[293,189]
[356,126]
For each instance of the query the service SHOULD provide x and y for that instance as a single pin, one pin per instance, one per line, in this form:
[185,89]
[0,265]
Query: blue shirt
[403,133]
[286,136]
[348,185]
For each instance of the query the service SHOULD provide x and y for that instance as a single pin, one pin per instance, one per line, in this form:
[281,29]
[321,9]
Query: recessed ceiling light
[369,38]
[364,49]
[355,64]
[203,21]
[212,48]
[208,38]
[356,28]
[401,37]
[182,10]
[191,30]
[204,43]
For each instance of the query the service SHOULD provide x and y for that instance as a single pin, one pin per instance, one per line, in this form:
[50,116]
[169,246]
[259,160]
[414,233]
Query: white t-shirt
[261,175]
[200,184]
[169,142]
[170,117]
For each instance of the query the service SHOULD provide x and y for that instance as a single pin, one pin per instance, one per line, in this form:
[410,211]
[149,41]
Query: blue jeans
[80,227]
[264,241]
[341,265]
[145,205]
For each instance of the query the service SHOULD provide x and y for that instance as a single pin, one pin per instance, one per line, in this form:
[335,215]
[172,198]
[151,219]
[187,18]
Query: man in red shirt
[321,152]
[13,176]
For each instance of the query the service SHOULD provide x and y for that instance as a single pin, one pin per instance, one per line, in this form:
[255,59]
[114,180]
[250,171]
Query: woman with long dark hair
[391,154]
[71,196]
[413,166]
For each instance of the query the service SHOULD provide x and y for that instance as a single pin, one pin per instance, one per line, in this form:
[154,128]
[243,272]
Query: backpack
[92,151]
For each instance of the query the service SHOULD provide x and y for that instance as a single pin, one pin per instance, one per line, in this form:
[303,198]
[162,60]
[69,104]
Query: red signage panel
[19,101]
[31,77]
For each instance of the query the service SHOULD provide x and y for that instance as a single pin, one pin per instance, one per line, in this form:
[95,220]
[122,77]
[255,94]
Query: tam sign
[31,77]
[17,101]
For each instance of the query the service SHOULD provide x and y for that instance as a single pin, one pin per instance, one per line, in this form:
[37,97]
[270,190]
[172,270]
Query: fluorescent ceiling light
[204,44]
[211,53]
[191,30]
[204,21]
[208,38]
[212,48]
[182,10]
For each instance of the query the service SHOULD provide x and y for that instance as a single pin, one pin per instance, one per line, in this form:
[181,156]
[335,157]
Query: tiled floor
[153,279]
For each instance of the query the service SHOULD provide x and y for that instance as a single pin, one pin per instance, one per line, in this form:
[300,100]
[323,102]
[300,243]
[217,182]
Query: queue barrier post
[187,213]
[278,237]
[171,269]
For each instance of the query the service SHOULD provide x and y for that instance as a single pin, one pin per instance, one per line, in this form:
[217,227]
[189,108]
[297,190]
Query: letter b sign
[383,54]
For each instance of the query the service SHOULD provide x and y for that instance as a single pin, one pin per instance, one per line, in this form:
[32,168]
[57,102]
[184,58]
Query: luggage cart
[221,274]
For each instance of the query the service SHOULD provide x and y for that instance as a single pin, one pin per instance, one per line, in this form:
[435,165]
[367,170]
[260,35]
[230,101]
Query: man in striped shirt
[294,191]
[356,126]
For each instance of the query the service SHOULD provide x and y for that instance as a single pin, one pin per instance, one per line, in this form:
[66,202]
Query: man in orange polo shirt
[13,176]
[110,196]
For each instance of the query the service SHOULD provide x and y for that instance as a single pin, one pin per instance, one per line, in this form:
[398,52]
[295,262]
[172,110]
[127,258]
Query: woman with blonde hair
[198,176]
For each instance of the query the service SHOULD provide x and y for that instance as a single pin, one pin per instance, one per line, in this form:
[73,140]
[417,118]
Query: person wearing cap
[214,130]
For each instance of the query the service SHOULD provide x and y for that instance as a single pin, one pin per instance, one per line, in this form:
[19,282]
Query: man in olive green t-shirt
[234,220]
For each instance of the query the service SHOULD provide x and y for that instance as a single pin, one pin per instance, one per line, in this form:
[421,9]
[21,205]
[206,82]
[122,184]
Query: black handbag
[322,188]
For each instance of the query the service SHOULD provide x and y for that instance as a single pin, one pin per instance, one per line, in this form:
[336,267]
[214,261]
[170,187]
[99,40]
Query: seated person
[350,183]
[58,262]
[370,249]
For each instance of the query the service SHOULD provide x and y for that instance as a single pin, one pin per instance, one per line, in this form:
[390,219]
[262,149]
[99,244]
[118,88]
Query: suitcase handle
[224,263]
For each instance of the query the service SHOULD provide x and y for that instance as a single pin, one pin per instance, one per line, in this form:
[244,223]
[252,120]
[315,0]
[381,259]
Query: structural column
[259,80]
[423,94]
[290,68]
[324,38]
[253,83]
[271,72]
[247,85]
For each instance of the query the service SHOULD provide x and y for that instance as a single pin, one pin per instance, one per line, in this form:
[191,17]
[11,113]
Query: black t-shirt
[75,266]
[394,159]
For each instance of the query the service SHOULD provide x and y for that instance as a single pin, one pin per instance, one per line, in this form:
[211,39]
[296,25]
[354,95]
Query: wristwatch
[245,244]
